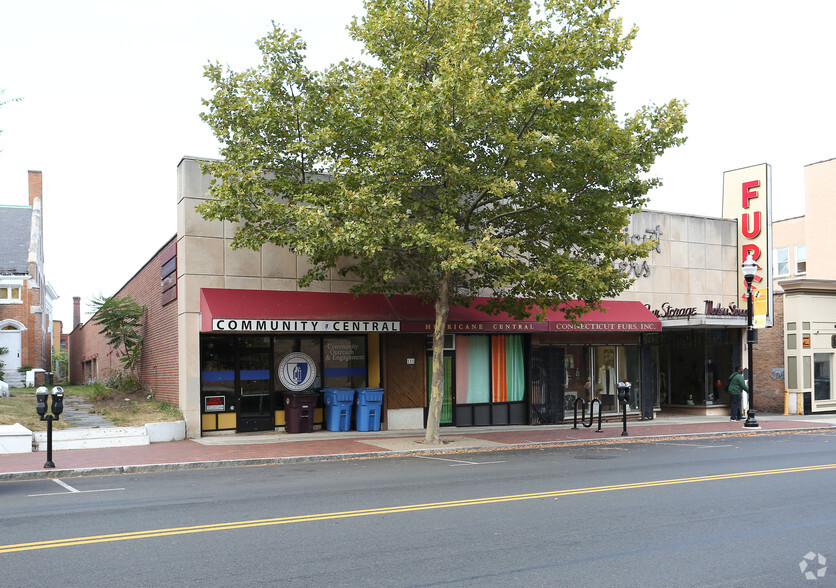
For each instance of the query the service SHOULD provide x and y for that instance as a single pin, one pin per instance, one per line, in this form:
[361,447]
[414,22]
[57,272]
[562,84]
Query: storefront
[229,335]
[257,346]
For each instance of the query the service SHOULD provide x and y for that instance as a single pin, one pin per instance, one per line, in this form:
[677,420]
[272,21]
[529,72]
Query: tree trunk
[442,309]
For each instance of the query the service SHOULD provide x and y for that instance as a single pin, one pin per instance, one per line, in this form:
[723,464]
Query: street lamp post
[750,267]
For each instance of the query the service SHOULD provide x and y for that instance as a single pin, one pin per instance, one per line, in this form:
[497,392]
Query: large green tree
[478,151]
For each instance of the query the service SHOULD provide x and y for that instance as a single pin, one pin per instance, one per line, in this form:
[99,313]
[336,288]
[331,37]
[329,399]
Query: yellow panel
[227,420]
[209,422]
[319,415]
[374,360]
[280,422]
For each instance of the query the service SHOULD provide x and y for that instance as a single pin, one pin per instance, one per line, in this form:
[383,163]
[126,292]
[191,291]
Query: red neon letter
[753,249]
[753,232]
[748,194]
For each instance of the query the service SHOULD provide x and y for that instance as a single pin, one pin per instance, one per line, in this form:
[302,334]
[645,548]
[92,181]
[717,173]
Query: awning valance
[225,310]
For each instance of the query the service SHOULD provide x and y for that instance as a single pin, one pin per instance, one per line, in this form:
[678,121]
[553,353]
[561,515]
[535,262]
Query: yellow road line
[393,509]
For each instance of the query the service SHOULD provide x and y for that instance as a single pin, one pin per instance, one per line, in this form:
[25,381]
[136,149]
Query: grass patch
[124,409]
[20,408]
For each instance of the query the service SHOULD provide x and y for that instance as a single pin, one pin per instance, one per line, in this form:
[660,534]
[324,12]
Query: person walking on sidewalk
[737,385]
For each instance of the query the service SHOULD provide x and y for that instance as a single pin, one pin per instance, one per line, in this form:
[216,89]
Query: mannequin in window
[607,380]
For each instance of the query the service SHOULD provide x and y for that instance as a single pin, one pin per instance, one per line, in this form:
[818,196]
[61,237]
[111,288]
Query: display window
[244,378]
[490,368]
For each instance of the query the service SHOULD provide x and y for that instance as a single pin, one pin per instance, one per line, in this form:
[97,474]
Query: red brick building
[768,357]
[25,295]
[91,359]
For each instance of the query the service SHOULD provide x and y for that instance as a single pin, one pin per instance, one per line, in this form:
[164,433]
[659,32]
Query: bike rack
[591,413]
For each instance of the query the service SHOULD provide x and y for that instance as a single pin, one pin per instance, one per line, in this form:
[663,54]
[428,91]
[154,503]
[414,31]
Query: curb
[232,463]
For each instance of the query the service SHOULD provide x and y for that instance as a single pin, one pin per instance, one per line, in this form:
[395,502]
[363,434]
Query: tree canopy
[477,151]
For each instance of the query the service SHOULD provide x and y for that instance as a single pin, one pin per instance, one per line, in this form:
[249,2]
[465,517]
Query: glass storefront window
[284,345]
[473,369]
[217,373]
[614,364]
[822,376]
[344,362]
[792,372]
[606,377]
[577,379]
[490,368]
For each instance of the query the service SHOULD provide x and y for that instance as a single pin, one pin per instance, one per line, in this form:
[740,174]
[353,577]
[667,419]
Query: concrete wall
[206,260]
[695,261]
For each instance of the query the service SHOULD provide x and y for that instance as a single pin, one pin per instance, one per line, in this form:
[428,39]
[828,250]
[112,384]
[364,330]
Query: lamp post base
[751,423]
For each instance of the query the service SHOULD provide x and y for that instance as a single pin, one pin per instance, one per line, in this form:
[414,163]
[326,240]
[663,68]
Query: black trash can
[299,411]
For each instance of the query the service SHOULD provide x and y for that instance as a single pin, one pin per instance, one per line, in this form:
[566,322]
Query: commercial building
[229,335]
[25,295]
[804,272]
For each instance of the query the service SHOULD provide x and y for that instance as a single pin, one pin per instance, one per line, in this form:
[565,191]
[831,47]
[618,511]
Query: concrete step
[93,438]
[15,439]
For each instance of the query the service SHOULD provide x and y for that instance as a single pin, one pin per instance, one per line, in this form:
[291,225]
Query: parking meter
[624,392]
[57,400]
[624,399]
[41,394]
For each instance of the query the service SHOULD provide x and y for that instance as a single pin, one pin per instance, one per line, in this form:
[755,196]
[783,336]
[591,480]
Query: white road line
[690,445]
[457,462]
[76,492]
[71,490]
[64,485]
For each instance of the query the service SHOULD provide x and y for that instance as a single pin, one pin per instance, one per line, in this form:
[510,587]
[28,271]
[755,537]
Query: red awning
[623,316]
[270,311]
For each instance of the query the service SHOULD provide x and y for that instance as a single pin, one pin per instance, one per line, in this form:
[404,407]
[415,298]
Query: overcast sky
[111,95]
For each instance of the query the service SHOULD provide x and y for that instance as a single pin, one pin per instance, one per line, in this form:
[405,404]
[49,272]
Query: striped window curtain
[499,382]
[514,367]
[507,368]
[473,372]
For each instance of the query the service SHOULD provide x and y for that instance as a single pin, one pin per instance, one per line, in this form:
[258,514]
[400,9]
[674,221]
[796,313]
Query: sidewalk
[276,448]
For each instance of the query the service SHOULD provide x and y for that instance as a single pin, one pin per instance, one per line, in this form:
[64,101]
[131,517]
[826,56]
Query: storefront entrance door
[255,406]
[447,413]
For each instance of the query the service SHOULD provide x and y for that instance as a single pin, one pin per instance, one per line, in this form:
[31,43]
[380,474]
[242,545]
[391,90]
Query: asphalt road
[702,512]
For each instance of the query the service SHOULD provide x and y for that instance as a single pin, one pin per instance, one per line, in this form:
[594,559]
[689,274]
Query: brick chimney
[76,311]
[36,191]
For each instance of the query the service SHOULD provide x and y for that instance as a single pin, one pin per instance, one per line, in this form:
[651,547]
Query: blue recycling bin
[369,405]
[338,403]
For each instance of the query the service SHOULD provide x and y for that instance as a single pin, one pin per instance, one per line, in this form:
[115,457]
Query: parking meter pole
[624,420]
[49,463]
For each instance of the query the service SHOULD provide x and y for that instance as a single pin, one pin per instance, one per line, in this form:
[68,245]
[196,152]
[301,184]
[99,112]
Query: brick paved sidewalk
[283,447]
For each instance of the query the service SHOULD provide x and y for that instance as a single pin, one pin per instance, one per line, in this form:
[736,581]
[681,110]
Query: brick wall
[768,354]
[158,370]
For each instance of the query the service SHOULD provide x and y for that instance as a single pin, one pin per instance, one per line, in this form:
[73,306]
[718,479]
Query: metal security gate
[547,385]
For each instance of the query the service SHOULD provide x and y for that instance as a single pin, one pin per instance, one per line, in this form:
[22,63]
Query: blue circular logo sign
[297,371]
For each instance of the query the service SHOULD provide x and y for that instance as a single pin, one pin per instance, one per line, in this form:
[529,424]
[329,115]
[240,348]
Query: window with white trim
[801,259]
[9,294]
[782,262]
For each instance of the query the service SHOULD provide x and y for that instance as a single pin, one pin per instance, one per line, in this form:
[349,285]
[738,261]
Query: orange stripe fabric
[499,379]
